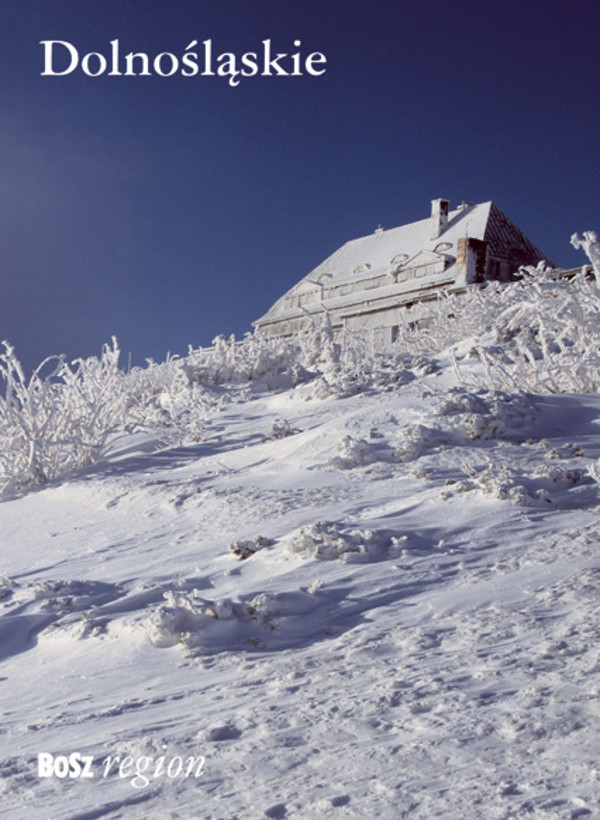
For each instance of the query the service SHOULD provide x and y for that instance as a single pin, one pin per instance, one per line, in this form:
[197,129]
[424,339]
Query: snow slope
[406,623]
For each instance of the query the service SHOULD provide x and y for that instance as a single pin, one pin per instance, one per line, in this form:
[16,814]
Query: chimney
[471,261]
[439,217]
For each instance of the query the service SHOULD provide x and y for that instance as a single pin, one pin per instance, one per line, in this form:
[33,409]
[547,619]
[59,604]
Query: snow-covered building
[389,278]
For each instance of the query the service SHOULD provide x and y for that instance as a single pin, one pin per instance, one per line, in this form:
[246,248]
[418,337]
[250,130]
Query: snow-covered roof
[379,249]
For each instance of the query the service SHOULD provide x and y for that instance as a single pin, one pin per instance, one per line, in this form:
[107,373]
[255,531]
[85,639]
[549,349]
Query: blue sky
[165,210]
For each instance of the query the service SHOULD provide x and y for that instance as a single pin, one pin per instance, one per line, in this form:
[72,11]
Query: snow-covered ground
[384,605]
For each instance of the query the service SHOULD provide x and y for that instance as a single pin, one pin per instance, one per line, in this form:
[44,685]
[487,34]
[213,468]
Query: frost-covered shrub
[258,621]
[501,483]
[337,365]
[538,335]
[416,440]
[245,548]
[562,476]
[488,414]
[59,421]
[62,416]
[281,429]
[187,619]
[424,366]
[353,452]
[161,397]
[319,348]
[591,246]
[183,614]
[458,400]
[363,364]
[274,361]
[328,541]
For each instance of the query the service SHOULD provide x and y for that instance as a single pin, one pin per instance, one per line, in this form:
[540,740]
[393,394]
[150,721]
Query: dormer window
[324,277]
[362,268]
[399,259]
[442,246]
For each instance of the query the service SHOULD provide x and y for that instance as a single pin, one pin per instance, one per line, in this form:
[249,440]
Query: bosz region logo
[139,770]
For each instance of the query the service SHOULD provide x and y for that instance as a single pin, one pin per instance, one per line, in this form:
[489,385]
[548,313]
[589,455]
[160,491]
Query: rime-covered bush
[161,397]
[55,422]
[328,541]
[338,365]
[273,361]
[538,335]
[62,416]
